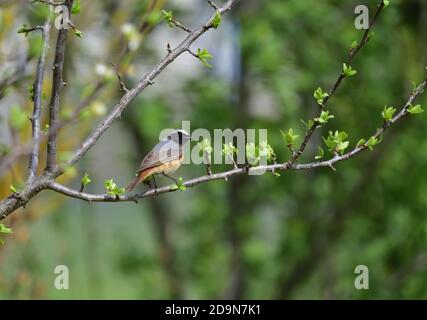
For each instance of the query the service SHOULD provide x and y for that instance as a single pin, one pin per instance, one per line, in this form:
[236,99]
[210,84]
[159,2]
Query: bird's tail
[141,177]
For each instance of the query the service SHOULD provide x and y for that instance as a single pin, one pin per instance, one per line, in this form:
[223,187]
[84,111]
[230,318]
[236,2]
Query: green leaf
[168,17]
[360,143]
[320,154]
[24,29]
[386,3]
[354,45]
[86,180]
[324,117]
[372,141]
[348,70]
[266,151]
[206,150]
[319,95]
[78,33]
[229,149]
[205,146]
[75,9]
[336,141]
[179,185]
[13,189]
[216,20]
[415,109]
[17,118]
[341,146]
[112,188]
[252,154]
[308,124]
[388,113]
[3,229]
[204,56]
[289,136]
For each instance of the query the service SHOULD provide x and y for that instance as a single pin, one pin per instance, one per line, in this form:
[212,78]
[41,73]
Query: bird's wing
[163,152]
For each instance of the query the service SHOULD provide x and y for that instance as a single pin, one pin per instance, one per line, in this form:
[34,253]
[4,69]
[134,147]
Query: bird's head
[179,136]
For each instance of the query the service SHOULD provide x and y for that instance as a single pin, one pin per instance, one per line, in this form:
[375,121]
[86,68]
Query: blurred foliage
[299,235]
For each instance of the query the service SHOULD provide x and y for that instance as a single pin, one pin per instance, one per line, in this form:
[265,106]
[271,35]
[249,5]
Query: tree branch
[238,171]
[38,100]
[58,85]
[51,2]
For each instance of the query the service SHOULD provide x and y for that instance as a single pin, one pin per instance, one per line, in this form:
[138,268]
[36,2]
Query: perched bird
[166,157]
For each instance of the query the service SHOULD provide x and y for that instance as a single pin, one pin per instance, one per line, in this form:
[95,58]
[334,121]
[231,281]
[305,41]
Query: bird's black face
[183,137]
[179,136]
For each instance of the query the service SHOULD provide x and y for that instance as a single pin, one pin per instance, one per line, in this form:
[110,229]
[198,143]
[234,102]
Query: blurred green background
[296,236]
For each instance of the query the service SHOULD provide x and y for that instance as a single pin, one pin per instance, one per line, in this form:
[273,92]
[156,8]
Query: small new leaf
[336,141]
[168,17]
[386,3]
[415,109]
[204,56]
[180,185]
[388,113]
[348,71]
[112,188]
[76,7]
[308,124]
[289,136]
[229,149]
[319,95]
[372,141]
[320,154]
[360,143]
[252,154]
[216,22]
[78,33]
[266,151]
[86,180]
[13,189]
[324,117]
[25,30]
[3,229]
[206,149]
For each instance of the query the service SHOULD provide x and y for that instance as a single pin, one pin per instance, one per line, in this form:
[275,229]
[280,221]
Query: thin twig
[38,100]
[51,2]
[179,25]
[213,5]
[57,85]
[121,82]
